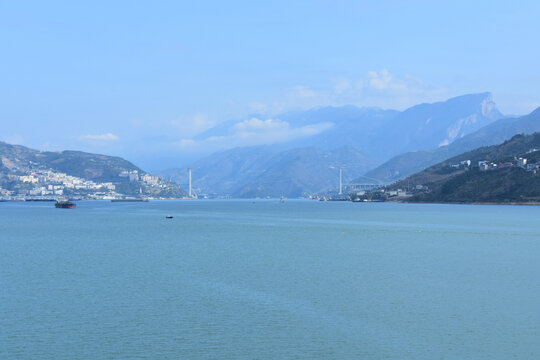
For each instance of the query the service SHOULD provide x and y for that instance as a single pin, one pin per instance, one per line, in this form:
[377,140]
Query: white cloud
[379,80]
[100,137]
[310,130]
[255,124]
[255,131]
[303,92]
[444,142]
[341,85]
[377,88]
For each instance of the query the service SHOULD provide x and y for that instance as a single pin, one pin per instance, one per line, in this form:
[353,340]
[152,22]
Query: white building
[28,179]
[134,176]
[483,165]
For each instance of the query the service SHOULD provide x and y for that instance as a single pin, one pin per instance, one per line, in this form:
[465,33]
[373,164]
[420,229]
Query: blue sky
[135,78]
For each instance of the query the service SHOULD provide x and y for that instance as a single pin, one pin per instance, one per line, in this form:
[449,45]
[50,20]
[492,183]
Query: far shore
[532,203]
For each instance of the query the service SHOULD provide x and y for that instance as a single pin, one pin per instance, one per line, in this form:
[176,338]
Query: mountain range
[325,139]
[304,152]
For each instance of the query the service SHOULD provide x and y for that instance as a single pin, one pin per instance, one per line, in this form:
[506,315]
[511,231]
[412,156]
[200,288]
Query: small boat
[168,217]
[64,204]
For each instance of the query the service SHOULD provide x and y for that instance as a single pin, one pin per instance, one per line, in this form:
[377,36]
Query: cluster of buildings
[47,183]
[462,164]
[401,193]
[388,194]
[134,176]
[50,184]
[518,162]
[485,165]
[4,193]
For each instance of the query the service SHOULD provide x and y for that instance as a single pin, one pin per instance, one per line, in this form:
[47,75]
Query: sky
[140,79]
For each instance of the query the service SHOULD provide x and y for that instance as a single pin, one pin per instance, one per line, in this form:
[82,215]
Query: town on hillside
[49,184]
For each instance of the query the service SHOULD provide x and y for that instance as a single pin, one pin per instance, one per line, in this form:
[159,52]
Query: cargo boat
[62,204]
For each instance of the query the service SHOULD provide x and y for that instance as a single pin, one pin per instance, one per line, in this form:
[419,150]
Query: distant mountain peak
[495,132]
[535,112]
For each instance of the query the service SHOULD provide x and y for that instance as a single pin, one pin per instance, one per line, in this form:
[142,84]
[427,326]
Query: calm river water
[261,279]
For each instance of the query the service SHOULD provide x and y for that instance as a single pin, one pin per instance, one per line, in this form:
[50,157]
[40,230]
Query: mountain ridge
[410,162]
[375,135]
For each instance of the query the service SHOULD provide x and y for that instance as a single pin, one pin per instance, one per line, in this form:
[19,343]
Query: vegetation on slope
[507,185]
[450,181]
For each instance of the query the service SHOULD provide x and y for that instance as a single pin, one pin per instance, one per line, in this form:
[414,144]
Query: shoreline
[532,203]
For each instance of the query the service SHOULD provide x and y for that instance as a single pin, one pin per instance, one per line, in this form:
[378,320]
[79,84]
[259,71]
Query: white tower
[189,182]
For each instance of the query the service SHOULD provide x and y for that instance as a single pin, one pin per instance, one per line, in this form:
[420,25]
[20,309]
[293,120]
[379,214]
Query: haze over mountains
[305,149]
[411,162]
[261,171]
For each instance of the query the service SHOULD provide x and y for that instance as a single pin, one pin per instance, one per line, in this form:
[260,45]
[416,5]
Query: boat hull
[65,205]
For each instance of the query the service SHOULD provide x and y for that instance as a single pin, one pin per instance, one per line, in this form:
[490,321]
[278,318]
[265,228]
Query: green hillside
[501,180]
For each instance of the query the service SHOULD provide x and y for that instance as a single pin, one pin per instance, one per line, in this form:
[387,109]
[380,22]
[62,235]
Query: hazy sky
[131,77]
